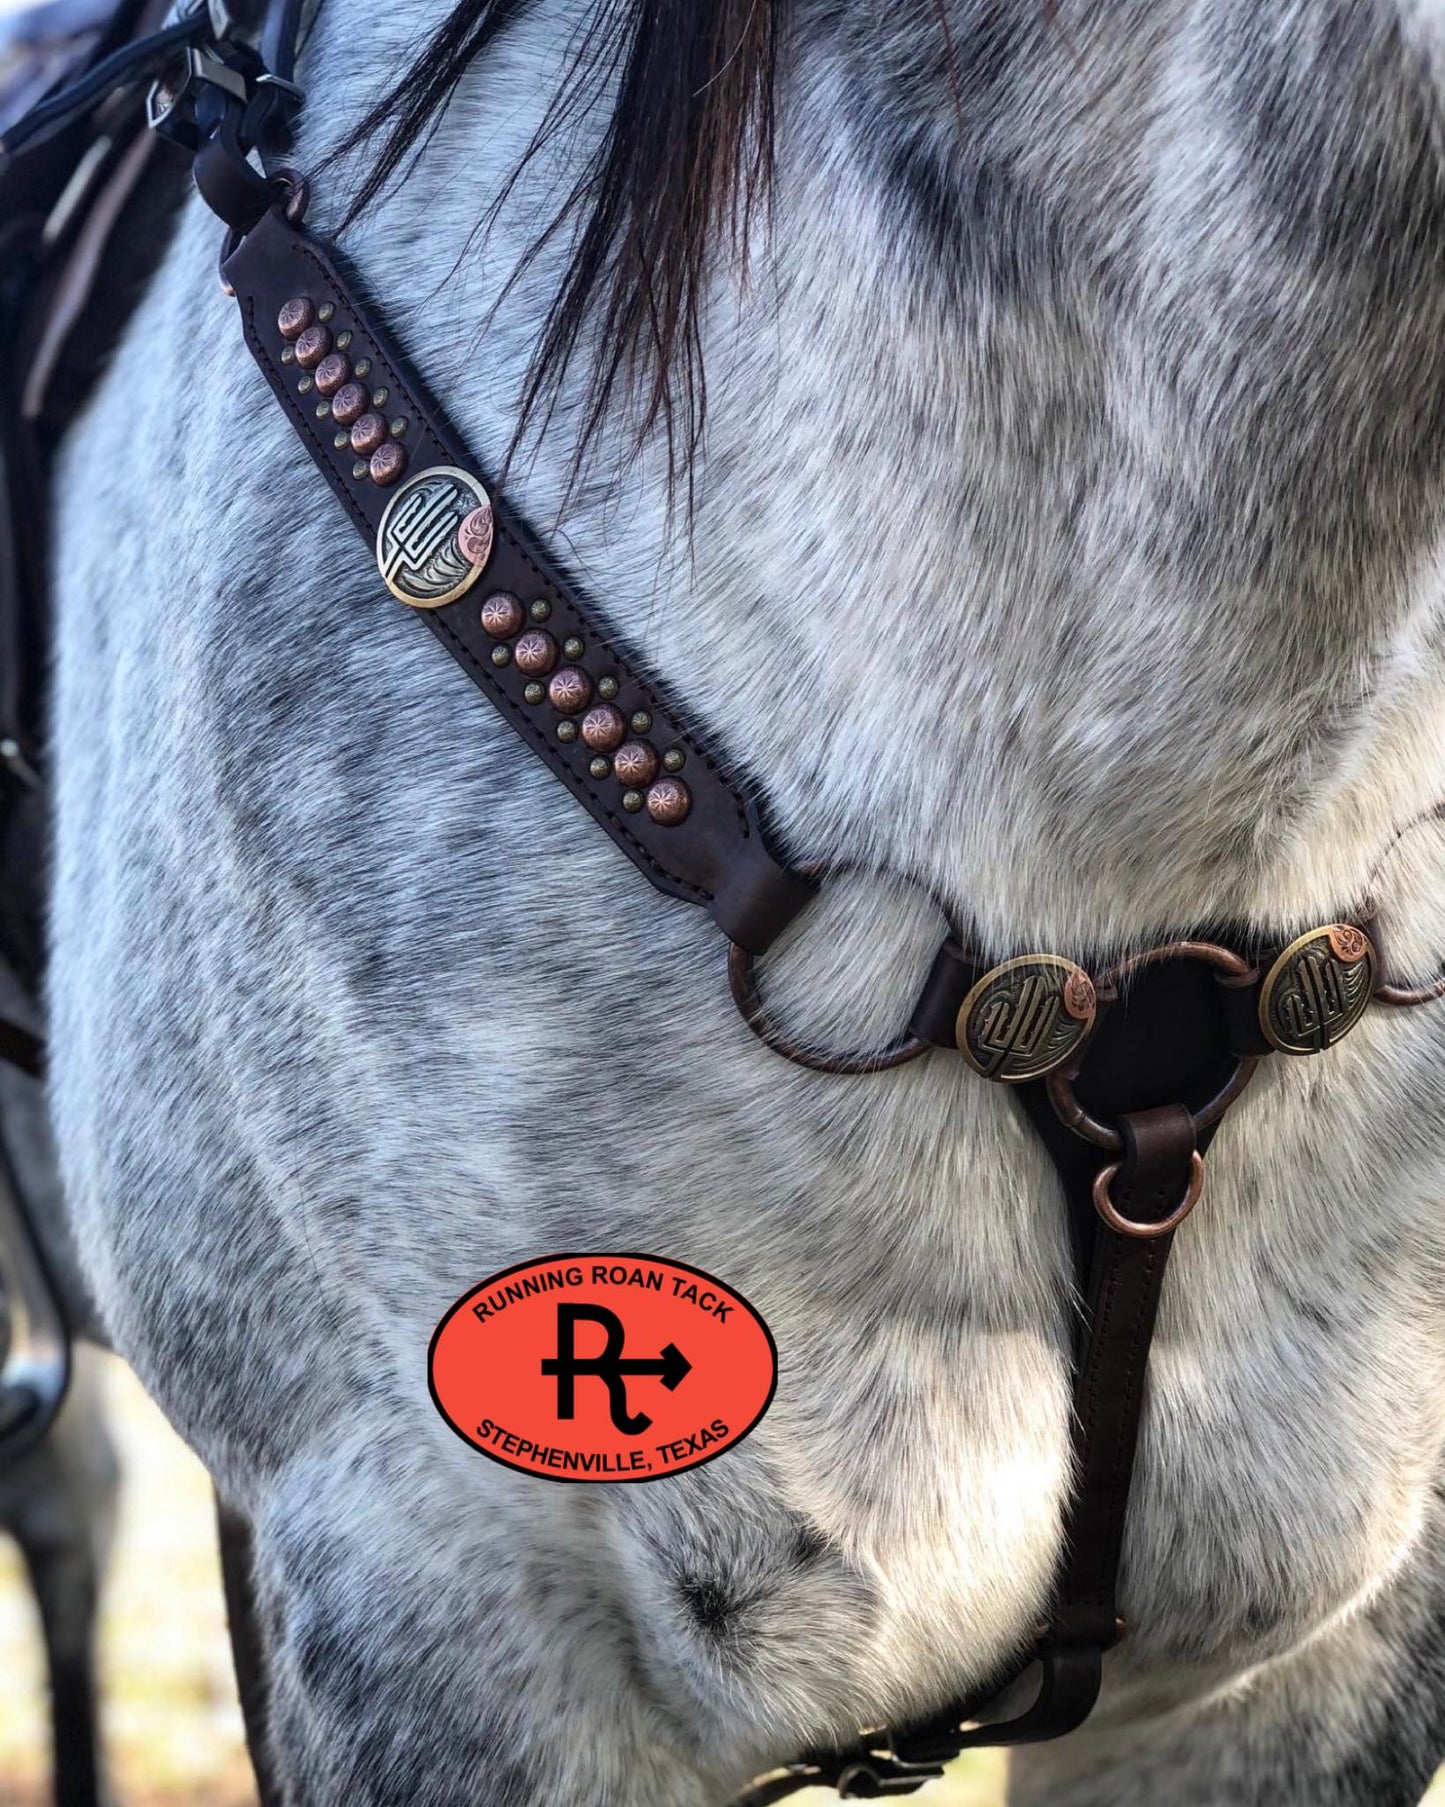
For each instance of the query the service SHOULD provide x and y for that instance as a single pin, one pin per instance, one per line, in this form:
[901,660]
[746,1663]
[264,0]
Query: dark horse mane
[686,153]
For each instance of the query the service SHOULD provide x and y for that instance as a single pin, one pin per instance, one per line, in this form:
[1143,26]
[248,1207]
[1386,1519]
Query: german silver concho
[435,538]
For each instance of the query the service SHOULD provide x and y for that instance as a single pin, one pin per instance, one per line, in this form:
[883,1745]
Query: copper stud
[348,403]
[668,802]
[534,692]
[607,687]
[360,468]
[567,731]
[599,767]
[673,760]
[636,763]
[569,690]
[326,310]
[332,372]
[641,722]
[502,615]
[603,728]
[573,648]
[312,346]
[368,433]
[632,802]
[388,463]
[295,317]
[541,610]
[501,655]
[474,540]
[536,653]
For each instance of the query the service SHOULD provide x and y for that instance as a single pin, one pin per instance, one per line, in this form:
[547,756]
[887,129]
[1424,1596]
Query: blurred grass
[172,1727]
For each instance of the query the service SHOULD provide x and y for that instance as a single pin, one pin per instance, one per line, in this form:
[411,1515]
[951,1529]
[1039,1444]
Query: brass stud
[332,372]
[323,410]
[305,386]
[288,354]
[567,731]
[641,722]
[367,434]
[604,728]
[573,647]
[668,802]
[632,802]
[607,687]
[569,690]
[295,317]
[312,346]
[326,310]
[502,615]
[600,767]
[363,367]
[535,692]
[341,441]
[673,760]
[360,468]
[541,610]
[343,339]
[388,462]
[379,397]
[398,427]
[636,763]
[501,655]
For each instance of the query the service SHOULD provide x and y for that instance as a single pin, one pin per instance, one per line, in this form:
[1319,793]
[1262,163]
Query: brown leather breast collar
[1126,1073]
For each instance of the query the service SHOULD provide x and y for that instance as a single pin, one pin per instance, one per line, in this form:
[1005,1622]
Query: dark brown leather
[718,856]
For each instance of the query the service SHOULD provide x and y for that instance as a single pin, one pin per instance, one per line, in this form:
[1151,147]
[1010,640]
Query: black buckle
[217,76]
[883,1774]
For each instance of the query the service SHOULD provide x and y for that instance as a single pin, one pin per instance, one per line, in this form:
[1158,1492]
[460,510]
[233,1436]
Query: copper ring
[1230,969]
[1146,1232]
[1402,995]
[743,983]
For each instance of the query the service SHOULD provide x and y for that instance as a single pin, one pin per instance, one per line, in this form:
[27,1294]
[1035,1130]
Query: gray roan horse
[1062,539]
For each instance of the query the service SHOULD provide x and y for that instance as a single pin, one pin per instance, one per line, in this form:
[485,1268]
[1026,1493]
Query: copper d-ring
[1145,1232]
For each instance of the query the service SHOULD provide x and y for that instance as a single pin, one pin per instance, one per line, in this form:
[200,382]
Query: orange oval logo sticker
[602,1367]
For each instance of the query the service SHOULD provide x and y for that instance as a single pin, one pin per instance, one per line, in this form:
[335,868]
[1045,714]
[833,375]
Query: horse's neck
[1063,534]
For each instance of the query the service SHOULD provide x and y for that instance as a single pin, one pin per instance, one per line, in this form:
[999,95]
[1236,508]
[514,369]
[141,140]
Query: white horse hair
[1066,542]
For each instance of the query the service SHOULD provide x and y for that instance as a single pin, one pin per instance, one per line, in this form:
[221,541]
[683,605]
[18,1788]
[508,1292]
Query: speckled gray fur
[1068,540]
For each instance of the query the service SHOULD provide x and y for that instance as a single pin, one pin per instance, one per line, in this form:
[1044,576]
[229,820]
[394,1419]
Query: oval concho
[435,537]
[1317,989]
[1026,1017]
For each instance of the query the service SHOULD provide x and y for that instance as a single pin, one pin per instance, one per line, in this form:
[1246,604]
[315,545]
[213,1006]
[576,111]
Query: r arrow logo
[671,1367]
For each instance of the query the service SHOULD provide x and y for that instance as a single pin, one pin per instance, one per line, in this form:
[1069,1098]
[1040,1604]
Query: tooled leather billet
[1126,1071]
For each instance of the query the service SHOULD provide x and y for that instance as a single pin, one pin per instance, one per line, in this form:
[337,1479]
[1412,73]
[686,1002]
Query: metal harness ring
[1230,968]
[1130,1226]
[743,984]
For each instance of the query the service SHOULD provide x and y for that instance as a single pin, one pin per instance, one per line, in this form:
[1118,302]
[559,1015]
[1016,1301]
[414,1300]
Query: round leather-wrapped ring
[743,983]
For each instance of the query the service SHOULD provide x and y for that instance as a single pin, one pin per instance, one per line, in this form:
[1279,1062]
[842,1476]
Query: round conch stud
[1026,1017]
[1317,989]
[419,544]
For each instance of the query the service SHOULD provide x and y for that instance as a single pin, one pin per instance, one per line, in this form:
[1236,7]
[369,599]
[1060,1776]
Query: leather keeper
[717,856]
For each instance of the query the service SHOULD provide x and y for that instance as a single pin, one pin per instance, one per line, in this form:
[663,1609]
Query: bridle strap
[550,663]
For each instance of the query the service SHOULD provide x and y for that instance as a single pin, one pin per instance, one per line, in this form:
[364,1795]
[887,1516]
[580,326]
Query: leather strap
[716,856]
